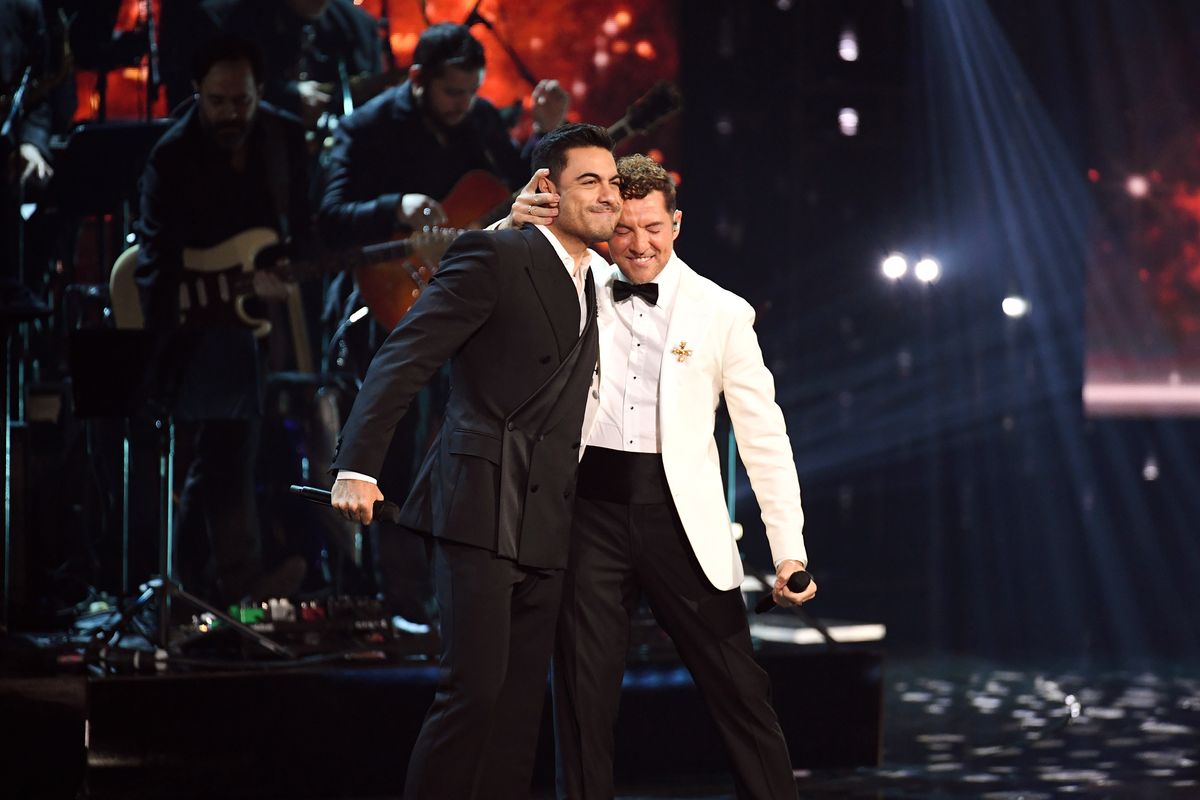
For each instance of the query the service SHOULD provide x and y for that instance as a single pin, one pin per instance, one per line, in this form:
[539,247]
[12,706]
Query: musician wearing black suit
[514,313]
[231,163]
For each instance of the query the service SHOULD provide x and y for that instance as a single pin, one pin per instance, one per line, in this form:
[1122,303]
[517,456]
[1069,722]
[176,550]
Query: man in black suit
[514,312]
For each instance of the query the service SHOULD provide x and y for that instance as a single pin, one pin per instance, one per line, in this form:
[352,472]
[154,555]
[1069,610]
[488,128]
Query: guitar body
[391,288]
[214,285]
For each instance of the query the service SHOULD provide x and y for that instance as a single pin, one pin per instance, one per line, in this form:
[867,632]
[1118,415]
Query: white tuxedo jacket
[718,328]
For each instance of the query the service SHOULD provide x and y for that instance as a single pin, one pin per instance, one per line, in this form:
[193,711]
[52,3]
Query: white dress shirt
[627,418]
[577,272]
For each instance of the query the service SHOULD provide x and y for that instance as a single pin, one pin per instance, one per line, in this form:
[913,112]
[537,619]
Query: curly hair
[641,175]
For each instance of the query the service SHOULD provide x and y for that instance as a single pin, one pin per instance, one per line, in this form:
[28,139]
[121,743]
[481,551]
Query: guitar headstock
[663,100]
[429,243]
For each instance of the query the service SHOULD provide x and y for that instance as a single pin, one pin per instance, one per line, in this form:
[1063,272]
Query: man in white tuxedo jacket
[650,517]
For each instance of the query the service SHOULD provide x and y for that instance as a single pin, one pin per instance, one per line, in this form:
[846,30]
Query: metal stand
[162,587]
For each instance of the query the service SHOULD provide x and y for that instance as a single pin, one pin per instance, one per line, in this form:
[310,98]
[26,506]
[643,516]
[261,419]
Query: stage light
[927,270]
[894,267]
[1015,306]
[848,45]
[1150,469]
[848,121]
[1137,186]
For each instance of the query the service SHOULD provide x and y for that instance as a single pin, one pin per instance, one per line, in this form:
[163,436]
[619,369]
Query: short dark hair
[227,47]
[641,175]
[551,151]
[447,45]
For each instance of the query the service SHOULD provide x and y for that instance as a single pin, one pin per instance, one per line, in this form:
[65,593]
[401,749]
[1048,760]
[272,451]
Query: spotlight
[927,270]
[894,267]
[848,45]
[1150,469]
[1015,306]
[848,121]
[1137,186]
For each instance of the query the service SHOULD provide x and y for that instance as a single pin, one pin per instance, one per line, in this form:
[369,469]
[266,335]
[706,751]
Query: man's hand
[355,499]
[35,170]
[271,287]
[313,102]
[419,211]
[550,103]
[533,207]
[784,597]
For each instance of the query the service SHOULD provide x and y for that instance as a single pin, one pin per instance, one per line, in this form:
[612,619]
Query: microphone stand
[385,30]
[153,77]
[476,18]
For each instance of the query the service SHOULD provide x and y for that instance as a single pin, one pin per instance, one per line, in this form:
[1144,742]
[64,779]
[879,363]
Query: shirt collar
[589,255]
[667,280]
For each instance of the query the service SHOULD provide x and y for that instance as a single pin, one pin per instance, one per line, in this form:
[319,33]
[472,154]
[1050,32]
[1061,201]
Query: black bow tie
[646,291]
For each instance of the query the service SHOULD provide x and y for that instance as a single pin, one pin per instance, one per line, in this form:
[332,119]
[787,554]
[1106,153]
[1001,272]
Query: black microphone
[798,582]
[385,510]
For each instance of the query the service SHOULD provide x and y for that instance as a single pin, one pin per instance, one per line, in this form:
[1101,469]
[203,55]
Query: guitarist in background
[307,45]
[391,161]
[232,162]
[24,156]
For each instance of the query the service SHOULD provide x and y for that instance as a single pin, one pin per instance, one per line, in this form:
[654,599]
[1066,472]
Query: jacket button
[510,426]
[575,446]
[566,494]
[544,360]
[533,489]
[541,437]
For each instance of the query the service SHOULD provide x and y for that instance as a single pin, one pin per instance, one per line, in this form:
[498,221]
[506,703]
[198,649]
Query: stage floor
[954,727]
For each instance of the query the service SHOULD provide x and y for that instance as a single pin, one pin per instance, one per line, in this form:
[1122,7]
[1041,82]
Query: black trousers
[621,551]
[497,623]
[218,505]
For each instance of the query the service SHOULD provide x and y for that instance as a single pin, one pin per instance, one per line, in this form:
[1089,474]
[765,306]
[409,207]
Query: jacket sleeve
[762,438]
[160,254]
[459,300]
[343,219]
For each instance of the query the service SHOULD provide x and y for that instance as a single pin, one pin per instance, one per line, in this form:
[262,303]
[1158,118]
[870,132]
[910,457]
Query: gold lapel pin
[681,352]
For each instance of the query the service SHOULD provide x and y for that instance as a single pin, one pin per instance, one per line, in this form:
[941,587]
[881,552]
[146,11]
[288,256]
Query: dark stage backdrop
[955,489]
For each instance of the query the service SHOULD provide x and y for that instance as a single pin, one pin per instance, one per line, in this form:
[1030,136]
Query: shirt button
[533,489]
[510,426]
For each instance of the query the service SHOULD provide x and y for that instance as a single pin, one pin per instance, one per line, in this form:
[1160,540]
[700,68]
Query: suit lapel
[554,289]
[690,318]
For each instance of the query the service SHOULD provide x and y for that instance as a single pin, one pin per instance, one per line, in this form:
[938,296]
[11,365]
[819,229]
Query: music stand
[109,377]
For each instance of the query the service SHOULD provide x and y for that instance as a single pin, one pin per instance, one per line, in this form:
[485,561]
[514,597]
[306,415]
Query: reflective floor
[962,728]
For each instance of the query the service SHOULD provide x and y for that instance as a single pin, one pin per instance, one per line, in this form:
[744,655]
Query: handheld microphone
[798,582]
[385,510]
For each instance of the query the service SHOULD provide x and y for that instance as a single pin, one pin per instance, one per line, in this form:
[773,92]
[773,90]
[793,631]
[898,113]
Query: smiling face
[645,236]
[589,191]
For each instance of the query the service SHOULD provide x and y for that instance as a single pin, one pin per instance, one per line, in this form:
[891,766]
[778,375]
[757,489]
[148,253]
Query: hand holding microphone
[798,581]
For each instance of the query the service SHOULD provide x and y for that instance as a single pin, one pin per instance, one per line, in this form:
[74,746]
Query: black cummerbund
[614,476]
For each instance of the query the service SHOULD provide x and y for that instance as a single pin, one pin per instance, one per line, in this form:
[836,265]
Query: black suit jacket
[387,149]
[501,474]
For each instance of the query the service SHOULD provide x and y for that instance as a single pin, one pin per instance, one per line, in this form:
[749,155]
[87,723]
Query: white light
[894,266]
[848,45]
[1150,469]
[1137,186]
[927,270]
[1015,306]
[359,314]
[848,121]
